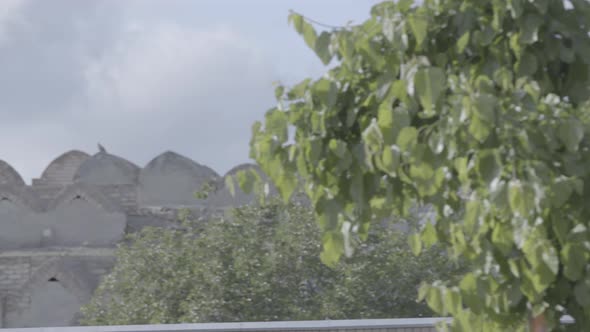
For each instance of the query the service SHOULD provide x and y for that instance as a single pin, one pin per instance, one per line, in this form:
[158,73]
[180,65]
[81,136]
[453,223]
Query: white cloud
[142,77]
[10,13]
[138,87]
[153,67]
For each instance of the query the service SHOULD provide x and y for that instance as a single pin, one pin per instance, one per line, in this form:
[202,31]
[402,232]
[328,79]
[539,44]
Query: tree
[262,264]
[477,108]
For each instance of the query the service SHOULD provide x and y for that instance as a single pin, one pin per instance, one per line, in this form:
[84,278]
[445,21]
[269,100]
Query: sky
[146,76]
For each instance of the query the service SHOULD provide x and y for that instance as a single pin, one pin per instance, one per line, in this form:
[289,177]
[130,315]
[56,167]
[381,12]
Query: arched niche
[61,170]
[54,296]
[20,219]
[106,169]
[82,216]
[172,180]
[9,176]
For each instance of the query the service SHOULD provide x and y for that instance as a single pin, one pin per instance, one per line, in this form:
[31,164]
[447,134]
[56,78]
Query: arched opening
[52,305]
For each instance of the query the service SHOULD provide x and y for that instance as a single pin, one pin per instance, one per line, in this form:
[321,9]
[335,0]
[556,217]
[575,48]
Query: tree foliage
[262,264]
[477,108]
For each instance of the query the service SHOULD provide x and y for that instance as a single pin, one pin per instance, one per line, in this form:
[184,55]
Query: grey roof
[174,161]
[9,176]
[123,170]
[63,168]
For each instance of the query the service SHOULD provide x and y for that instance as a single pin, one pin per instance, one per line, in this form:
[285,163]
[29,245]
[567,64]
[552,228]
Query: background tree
[477,108]
[261,264]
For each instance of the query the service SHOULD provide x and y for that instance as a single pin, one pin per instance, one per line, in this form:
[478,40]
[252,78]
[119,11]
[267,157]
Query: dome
[61,171]
[223,198]
[107,169]
[172,180]
[9,176]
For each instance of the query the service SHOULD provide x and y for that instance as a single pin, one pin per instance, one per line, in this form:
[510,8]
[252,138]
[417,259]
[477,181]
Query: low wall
[363,325]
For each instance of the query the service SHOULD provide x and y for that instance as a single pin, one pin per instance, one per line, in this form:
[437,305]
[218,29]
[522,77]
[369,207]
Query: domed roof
[222,198]
[172,180]
[243,167]
[171,161]
[63,168]
[107,169]
[9,176]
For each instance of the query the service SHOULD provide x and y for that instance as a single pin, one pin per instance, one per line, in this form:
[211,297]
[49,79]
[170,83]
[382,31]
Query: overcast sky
[145,76]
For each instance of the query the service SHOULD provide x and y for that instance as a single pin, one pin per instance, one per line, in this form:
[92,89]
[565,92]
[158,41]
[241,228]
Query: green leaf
[434,298]
[390,159]
[575,260]
[517,198]
[461,168]
[429,237]
[483,116]
[526,65]
[399,89]
[298,91]
[286,185]
[472,214]
[276,124]
[419,26]
[372,137]
[550,258]
[229,184]
[322,47]
[338,147]
[502,238]
[385,121]
[470,291]
[305,29]
[333,247]
[407,138]
[404,5]
[279,91]
[326,91]
[530,28]
[391,121]
[463,42]
[246,180]
[488,166]
[571,133]
[479,129]
[426,179]
[452,301]
[429,83]
[415,243]
[561,190]
[582,292]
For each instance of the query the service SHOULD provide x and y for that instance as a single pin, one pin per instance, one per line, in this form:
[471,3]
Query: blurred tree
[261,264]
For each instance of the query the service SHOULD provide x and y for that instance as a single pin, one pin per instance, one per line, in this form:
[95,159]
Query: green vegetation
[479,108]
[261,264]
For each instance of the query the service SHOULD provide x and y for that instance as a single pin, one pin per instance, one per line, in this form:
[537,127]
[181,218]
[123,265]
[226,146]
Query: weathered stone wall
[47,287]
[57,235]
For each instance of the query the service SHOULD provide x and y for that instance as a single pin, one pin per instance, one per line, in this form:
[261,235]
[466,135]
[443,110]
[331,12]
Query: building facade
[58,235]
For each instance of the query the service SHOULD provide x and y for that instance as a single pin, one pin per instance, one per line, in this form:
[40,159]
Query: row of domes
[107,169]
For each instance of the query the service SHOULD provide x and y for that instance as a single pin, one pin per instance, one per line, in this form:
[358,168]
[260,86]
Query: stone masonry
[57,235]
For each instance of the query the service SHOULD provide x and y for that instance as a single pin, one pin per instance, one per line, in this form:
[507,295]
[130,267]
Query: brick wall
[80,269]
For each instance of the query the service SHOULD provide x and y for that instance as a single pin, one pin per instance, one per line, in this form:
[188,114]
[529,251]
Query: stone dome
[106,169]
[171,179]
[9,176]
[61,170]
[223,198]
